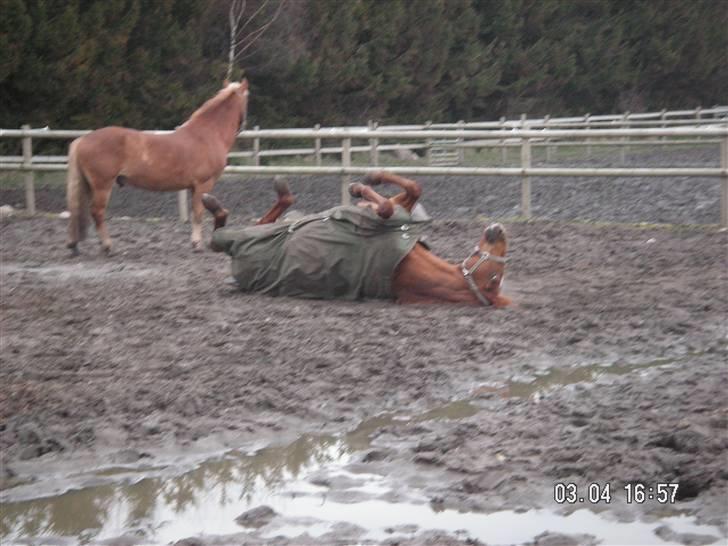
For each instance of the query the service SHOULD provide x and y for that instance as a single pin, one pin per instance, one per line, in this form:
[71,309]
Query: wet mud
[145,400]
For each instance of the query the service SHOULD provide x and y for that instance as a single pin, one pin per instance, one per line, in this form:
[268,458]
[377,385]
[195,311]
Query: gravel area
[122,375]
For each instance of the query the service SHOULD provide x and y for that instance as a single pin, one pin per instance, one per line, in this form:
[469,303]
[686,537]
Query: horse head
[484,269]
[239,90]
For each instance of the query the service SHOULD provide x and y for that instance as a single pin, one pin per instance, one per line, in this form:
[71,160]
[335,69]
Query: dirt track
[610,368]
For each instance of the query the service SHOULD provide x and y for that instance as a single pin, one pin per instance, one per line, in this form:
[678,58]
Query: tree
[246,28]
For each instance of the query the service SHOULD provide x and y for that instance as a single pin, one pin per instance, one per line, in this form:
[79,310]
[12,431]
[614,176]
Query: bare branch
[240,42]
[260,8]
[253,37]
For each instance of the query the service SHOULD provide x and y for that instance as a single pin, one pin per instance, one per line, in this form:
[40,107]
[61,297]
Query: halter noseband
[468,273]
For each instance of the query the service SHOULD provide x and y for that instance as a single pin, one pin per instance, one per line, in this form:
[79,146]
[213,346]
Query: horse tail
[78,196]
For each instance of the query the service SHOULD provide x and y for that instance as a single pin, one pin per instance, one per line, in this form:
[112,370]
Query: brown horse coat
[190,158]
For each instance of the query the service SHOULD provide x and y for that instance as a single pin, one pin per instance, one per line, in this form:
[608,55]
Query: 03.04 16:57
[637,493]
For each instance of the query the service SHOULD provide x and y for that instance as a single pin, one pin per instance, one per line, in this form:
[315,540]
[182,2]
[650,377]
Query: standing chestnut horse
[190,158]
[371,250]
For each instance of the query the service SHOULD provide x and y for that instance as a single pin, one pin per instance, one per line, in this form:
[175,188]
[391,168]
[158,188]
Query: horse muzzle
[495,233]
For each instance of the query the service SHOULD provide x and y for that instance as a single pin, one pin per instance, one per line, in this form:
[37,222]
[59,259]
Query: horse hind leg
[285,200]
[213,205]
[406,199]
[78,195]
[99,202]
[219,214]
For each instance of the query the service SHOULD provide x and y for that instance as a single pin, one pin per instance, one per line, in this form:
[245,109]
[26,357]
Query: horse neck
[428,278]
[222,119]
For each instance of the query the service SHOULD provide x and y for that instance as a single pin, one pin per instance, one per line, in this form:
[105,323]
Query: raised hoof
[280,185]
[355,189]
[385,210]
[211,203]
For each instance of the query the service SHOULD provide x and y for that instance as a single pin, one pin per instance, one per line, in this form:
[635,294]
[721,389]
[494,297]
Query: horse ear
[225,83]
[244,84]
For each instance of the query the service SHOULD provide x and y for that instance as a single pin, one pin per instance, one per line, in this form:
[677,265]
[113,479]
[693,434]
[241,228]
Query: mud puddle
[150,503]
[312,486]
[553,378]
[207,501]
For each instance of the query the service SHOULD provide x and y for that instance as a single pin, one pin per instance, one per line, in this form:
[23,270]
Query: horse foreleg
[285,200]
[197,209]
[408,198]
[99,202]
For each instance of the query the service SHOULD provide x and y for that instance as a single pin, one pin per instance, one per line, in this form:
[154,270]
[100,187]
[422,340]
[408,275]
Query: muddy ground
[609,368]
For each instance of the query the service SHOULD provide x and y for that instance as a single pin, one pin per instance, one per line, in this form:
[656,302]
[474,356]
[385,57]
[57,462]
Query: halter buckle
[468,273]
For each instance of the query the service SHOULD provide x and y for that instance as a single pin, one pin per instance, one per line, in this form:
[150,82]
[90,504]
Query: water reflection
[206,499]
[233,480]
[559,377]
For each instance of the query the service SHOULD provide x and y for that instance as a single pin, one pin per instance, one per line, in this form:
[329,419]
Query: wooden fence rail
[525,137]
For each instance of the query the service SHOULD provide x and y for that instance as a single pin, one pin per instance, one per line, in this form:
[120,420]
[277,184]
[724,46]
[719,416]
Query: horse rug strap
[346,252]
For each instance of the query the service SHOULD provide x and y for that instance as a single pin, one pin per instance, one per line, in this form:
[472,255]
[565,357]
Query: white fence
[524,134]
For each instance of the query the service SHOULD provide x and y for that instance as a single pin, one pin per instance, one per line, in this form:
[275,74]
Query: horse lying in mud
[369,250]
[190,158]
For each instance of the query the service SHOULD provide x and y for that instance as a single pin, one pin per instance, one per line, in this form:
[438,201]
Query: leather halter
[468,273]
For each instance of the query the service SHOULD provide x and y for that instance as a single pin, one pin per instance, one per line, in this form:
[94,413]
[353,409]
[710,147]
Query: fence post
[623,148]
[549,149]
[724,182]
[428,143]
[182,206]
[587,119]
[317,146]
[526,181]
[346,179]
[29,175]
[256,148]
[503,147]
[698,114]
[523,126]
[373,145]
[460,140]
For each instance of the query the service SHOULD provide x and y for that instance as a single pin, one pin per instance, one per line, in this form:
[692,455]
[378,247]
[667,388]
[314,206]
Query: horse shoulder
[210,152]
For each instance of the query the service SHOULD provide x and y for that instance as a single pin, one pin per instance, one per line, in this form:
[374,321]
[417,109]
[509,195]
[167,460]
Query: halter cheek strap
[468,273]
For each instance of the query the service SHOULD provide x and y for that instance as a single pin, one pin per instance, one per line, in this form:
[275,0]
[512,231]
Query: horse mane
[213,102]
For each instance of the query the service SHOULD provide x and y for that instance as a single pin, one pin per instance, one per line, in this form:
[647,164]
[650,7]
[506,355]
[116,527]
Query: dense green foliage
[149,63]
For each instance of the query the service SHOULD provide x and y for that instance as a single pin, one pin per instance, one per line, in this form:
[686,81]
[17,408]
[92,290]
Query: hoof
[196,246]
[211,203]
[280,185]
[107,251]
[355,189]
[385,210]
[73,247]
